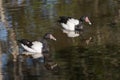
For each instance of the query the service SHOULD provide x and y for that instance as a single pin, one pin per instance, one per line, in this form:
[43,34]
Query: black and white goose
[73,24]
[36,48]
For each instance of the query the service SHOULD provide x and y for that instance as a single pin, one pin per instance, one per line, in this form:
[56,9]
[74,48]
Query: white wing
[70,25]
[74,21]
[37,46]
[28,49]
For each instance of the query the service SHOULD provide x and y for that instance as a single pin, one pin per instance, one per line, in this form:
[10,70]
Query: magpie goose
[73,24]
[37,47]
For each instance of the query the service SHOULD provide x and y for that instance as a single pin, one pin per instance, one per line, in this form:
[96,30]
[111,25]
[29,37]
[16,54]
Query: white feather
[27,48]
[35,48]
[70,25]
[71,33]
[74,21]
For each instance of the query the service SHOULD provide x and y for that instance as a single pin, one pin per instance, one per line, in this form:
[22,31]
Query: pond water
[92,56]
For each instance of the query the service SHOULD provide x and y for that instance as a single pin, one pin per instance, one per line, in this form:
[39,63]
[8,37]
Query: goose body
[71,33]
[36,47]
[38,50]
[73,24]
[70,25]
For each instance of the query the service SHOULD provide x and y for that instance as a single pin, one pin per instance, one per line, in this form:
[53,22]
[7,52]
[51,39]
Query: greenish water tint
[79,58]
[92,63]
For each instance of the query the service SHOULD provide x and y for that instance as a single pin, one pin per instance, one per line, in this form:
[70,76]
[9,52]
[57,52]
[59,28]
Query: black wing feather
[26,42]
[63,19]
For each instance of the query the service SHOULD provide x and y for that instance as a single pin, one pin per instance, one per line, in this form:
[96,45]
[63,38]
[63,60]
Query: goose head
[49,36]
[86,19]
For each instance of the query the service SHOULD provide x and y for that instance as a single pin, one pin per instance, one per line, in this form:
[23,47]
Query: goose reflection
[39,51]
[72,34]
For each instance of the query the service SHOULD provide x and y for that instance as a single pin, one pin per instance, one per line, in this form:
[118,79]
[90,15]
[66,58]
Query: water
[79,58]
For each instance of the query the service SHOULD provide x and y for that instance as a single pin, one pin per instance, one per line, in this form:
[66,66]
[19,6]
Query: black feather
[63,19]
[26,42]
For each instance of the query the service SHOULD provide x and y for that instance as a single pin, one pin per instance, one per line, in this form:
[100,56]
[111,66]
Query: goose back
[72,24]
[33,47]
[68,23]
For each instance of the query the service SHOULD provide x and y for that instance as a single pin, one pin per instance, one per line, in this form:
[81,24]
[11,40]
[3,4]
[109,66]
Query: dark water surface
[79,58]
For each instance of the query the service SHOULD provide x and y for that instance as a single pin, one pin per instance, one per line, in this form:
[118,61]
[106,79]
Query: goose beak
[52,37]
[88,21]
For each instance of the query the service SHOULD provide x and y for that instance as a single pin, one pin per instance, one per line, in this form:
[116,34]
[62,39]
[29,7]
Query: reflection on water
[71,33]
[48,8]
[98,60]
[3,66]
[3,32]
[95,62]
[4,60]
